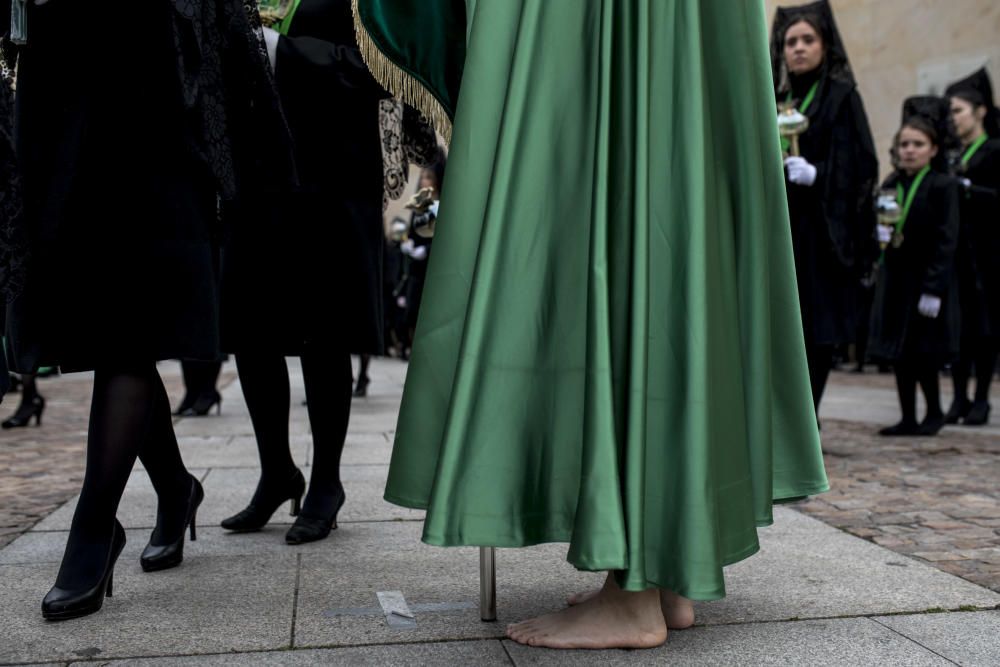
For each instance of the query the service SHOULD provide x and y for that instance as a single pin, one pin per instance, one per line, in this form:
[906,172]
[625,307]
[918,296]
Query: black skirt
[120,214]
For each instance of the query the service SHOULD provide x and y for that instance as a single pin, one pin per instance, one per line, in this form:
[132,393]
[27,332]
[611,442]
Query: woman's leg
[906,387]
[328,380]
[120,415]
[931,386]
[264,379]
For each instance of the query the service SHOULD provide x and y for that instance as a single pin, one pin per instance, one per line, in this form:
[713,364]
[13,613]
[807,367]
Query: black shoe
[361,390]
[978,414]
[32,407]
[931,424]
[204,404]
[61,604]
[185,405]
[311,529]
[163,557]
[265,503]
[902,428]
[958,410]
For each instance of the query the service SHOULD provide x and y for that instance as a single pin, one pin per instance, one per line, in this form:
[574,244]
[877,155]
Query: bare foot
[678,611]
[612,618]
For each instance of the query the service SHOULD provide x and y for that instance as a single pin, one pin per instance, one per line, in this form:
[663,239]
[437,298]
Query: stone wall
[904,47]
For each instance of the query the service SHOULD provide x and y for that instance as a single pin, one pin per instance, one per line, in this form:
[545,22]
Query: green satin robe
[610,351]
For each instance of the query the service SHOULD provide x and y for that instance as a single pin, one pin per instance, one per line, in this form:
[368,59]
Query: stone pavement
[815,595]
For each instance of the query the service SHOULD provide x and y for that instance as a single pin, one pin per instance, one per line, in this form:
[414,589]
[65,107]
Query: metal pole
[487,584]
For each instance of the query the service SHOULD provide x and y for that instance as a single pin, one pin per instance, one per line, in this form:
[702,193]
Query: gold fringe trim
[401,84]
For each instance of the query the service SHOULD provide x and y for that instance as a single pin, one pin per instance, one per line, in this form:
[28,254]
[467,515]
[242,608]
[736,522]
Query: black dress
[978,260]
[923,264]
[120,232]
[307,265]
[833,220]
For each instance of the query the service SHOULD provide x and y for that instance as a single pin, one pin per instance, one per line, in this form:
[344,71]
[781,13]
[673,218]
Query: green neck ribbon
[976,145]
[905,199]
[807,100]
[284,24]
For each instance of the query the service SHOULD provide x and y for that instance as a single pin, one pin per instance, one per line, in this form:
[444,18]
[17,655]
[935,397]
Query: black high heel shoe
[204,404]
[311,529]
[61,604]
[157,557]
[256,515]
[958,410]
[361,389]
[32,407]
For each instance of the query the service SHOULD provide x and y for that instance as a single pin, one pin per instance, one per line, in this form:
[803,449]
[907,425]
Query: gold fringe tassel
[401,84]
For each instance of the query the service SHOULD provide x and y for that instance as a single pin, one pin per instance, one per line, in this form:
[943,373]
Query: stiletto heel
[310,529]
[194,535]
[62,604]
[32,407]
[162,557]
[265,503]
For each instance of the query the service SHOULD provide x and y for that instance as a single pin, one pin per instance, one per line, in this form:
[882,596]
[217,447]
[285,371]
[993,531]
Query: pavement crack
[911,639]
[295,599]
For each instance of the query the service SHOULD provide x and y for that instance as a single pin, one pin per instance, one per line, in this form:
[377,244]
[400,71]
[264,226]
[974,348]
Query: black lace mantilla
[13,235]
[240,132]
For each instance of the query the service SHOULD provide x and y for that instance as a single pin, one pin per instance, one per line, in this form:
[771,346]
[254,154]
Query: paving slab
[208,605]
[487,653]
[227,490]
[971,639]
[835,642]
[806,569]
[235,452]
[136,510]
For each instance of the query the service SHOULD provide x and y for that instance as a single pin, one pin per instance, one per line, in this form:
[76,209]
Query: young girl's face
[803,48]
[967,117]
[916,150]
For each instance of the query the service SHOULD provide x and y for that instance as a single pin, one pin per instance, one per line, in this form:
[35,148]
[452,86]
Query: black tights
[129,418]
[820,360]
[329,386]
[908,375]
[983,354]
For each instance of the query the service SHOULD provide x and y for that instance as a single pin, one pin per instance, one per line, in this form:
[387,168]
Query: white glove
[884,233]
[434,207]
[419,253]
[271,38]
[965,183]
[401,301]
[929,306]
[406,247]
[800,171]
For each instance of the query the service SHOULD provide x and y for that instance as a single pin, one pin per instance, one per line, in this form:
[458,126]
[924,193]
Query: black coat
[306,266]
[978,260]
[833,220]
[119,212]
[923,264]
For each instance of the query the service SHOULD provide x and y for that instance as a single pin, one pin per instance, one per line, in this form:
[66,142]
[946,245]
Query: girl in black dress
[302,272]
[121,172]
[977,124]
[830,184]
[915,318]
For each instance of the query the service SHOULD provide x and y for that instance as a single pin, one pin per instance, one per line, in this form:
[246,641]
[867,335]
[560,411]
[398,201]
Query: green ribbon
[976,145]
[786,143]
[284,24]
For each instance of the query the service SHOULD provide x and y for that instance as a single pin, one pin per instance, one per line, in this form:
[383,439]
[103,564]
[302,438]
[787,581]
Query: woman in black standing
[830,184]
[977,124]
[915,318]
[121,173]
[302,272]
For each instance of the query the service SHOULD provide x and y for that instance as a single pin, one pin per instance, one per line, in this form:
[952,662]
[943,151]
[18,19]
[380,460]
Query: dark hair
[813,20]
[919,124]
[973,97]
